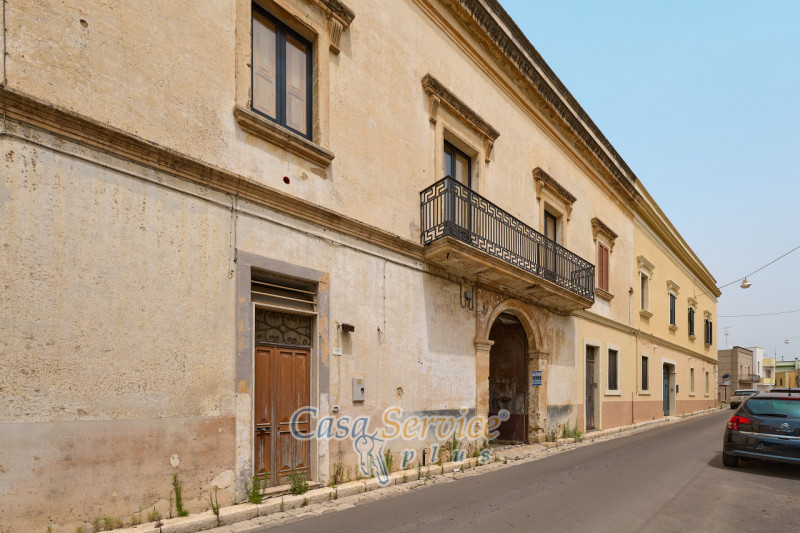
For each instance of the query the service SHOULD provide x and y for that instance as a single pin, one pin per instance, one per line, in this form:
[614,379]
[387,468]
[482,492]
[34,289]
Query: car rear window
[743,393]
[788,407]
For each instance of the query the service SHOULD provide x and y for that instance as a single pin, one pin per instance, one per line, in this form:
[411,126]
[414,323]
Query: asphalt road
[666,479]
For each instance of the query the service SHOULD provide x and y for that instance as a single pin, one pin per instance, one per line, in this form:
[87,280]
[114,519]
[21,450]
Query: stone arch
[522,311]
[537,360]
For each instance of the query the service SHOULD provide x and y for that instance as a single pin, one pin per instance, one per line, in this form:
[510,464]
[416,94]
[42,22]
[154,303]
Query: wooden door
[282,385]
[508,385]
[590,388]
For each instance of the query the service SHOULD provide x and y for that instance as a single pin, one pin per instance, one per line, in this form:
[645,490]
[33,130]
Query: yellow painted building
[342,205]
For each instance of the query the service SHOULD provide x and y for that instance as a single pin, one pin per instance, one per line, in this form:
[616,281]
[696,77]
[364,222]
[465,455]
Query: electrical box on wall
[358,389]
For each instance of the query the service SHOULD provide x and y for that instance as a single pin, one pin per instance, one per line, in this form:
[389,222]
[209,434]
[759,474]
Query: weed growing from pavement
[253,490]
[177,488]
[214,503]
[298,481]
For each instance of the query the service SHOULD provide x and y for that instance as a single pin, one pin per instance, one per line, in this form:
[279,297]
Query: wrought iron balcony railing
[450,209]
[754,378]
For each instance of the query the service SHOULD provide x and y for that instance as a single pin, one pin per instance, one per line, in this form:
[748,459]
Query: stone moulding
[442,96]
[545,182]
[600,228]
[516,48]
[268,130]
[31,111]
[339,19]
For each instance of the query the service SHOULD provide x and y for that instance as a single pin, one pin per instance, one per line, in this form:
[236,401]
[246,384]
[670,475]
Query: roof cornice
[496,25]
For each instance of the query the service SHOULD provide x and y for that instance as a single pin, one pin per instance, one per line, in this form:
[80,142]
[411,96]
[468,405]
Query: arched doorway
[668,389]
[508,370]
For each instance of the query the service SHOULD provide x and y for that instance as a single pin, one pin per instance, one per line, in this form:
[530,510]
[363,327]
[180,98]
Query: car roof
[784,389]
[779,393]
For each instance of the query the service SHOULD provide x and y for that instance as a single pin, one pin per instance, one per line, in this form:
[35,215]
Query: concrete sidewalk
[286,509]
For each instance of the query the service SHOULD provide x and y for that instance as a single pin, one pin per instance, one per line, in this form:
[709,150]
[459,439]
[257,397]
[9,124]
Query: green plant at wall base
[305,502]
[96,525]
[299,485]
[336,494]
[283,507]
[213,501]
[79,529]
[389,460]
[253,490]
[177,488]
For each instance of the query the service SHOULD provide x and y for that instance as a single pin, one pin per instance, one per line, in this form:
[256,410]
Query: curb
[501,458]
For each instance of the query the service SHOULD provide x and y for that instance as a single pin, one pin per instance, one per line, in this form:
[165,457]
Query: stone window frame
[555,199]
[673,290]
[323,26]
[458,124]
[645,359]
[707,324]
[692,328]
[691,381]
[603,236]
[646,269]
[618,390]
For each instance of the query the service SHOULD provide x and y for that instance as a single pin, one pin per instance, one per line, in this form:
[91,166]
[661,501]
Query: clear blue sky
[702,100]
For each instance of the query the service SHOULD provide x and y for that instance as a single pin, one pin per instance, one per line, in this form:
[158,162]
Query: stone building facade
[213,213]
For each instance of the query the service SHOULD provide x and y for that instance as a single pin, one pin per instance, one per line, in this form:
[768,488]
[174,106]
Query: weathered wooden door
[282,385]
[590,388]
[508,385]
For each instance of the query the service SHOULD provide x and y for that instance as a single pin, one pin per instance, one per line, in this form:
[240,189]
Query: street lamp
[745,284]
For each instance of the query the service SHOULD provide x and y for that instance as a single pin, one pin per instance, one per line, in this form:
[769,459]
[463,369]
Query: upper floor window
[646,269]
[282,82]
[691,321]
[457,165]
[645,373]
[551,226]
[672,299]
[673,289]
[708,330]
[602,266]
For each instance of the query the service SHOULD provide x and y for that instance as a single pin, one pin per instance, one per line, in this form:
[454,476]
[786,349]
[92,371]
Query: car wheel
[729,460]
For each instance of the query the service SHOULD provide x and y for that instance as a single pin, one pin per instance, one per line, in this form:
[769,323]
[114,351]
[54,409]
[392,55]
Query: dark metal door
[282,385]
[666,390]
[590,388]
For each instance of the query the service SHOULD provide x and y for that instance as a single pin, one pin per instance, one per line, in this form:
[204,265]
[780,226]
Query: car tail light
[735,420]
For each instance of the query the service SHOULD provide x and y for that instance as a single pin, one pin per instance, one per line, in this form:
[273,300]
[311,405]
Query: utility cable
[762,268]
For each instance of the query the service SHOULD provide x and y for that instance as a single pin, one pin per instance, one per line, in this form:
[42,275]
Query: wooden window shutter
[602,266]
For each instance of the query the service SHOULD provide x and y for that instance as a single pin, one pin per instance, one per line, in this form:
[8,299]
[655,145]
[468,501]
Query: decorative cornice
[69,125]
[441,95]
[339,19]
[598,227]
[339,11]
[706,314]
[520,52]
[644,313]
[644,264]
[692,302]
[672,286]
[543,179]
[276,134]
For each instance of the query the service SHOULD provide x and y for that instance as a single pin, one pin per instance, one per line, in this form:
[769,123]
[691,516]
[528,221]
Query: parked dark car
[766,426]
[739,395]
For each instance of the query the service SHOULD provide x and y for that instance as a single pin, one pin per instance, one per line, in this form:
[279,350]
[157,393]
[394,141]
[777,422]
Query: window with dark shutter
[691,321]
[602,266]
[613,377]
[672,299]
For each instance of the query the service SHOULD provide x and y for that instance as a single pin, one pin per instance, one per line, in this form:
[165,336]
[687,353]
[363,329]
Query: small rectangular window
[691,380]
[281,73]
[707,327]
[645,373]
[672,299]
[691,321]
[707,384]
[550,222]
[613,377]
[602,266]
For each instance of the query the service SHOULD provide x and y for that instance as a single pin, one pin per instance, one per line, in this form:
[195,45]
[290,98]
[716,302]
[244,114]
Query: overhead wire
[760,269]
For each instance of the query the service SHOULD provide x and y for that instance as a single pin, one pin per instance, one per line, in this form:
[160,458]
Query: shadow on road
[755,467]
